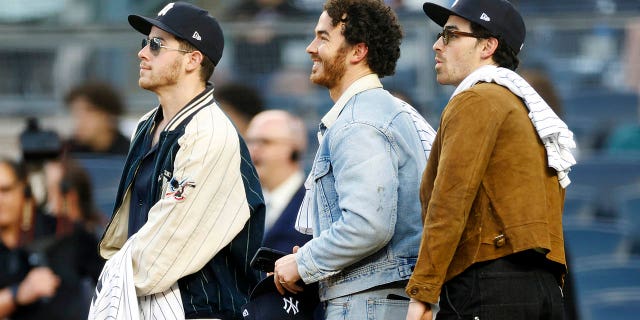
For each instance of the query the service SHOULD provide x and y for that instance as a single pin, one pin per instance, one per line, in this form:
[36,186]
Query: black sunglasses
[448,34]
[156,43]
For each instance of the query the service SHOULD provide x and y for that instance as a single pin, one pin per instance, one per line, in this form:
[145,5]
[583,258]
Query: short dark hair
[504,56]
[373,23]
[102,95]
[244,99]
[207,65]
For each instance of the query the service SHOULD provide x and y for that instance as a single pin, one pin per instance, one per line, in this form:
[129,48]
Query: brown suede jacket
[487,191]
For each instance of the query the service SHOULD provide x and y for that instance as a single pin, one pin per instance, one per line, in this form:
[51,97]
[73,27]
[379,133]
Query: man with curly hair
[361,201]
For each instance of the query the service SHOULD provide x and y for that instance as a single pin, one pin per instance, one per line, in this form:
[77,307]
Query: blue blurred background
[588,49]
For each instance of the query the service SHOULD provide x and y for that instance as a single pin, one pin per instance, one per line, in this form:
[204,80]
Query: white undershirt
[278,199]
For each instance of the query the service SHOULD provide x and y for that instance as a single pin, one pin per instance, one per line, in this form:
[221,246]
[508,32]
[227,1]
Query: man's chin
[319,81]
[145,85]
[313,78]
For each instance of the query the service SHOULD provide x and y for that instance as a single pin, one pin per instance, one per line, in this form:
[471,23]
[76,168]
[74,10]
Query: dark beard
[334,70]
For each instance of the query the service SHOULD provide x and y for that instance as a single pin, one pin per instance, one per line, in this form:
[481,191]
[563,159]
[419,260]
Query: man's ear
[195,58]
[359,52]
[489,48]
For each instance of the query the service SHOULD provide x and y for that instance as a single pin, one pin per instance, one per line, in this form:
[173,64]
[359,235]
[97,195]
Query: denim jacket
[364,197]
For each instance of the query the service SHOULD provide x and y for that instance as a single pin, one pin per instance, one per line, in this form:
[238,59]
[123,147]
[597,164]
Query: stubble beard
[333,70]
[167,78]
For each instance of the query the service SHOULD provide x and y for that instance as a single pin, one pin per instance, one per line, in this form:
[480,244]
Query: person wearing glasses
[277,141]
[189,210]
[493,190]
[361,201]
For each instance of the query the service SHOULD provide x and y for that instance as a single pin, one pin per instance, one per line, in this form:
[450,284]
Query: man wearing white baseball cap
[493,190]
[189,211]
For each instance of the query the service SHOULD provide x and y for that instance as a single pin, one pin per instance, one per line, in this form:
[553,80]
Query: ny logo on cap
[165,9]
[289,306]
[196,36]
[485,17]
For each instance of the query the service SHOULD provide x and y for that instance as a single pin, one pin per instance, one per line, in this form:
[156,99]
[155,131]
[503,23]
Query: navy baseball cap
[497,16]
[187,22]
[266,303]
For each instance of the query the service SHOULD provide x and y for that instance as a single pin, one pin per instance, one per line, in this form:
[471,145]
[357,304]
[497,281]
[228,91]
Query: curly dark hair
[373,23]
[504,56]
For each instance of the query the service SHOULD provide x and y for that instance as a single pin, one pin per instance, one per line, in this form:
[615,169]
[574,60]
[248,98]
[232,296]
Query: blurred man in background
[240,103]
[277,141]
[95,108]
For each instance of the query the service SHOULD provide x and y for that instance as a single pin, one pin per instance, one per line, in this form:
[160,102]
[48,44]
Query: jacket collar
[201,100]
[367,82]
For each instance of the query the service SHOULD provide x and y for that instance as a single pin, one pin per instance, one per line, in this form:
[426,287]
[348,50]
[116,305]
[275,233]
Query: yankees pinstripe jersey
[206,216]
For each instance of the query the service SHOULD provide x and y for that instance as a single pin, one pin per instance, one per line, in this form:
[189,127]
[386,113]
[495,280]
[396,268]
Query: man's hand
[419,310]
[285,273]
[40,282]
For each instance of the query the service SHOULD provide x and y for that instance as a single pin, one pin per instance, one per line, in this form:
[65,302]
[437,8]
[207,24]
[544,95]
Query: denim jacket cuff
[307,268]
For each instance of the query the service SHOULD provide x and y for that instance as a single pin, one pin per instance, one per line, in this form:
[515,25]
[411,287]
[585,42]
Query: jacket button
[499,241]
[414,291]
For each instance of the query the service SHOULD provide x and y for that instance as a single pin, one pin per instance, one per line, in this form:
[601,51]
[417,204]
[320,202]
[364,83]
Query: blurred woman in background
[23,287]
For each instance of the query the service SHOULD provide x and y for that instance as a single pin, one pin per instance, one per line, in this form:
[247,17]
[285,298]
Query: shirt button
[499,241]
[414,291]
[140,203]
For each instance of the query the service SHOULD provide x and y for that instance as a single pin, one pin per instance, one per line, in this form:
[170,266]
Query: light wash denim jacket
[364,197]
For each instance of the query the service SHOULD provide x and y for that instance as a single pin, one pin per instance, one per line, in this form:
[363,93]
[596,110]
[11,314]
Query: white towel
[115,295]
[554,133]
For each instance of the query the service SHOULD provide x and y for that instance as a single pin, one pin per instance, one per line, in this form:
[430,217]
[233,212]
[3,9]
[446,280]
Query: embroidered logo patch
[177,188]
[289,306]
[165,9]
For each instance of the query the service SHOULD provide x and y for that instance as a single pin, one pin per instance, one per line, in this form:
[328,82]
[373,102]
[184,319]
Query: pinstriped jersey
[207,212]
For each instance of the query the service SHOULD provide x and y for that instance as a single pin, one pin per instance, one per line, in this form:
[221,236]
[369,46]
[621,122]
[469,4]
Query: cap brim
[265,285]
[268,285]
[437,13]
[144,24]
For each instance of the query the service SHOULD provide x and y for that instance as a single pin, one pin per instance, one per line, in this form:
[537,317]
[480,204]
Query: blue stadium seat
[613,275]
[605,173]
[105,172]
[592,238]
[613,304]
[628,202]
[592,116]
[605,107]
[580,202]
[628,207]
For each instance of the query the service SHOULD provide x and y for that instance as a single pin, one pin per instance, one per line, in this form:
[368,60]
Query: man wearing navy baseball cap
[493,190]
[189,211]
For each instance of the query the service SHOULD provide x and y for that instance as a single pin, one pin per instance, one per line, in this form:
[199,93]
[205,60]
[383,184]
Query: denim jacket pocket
[325,192]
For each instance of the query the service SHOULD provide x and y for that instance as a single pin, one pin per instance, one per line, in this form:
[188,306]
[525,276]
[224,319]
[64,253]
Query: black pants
[520,286]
